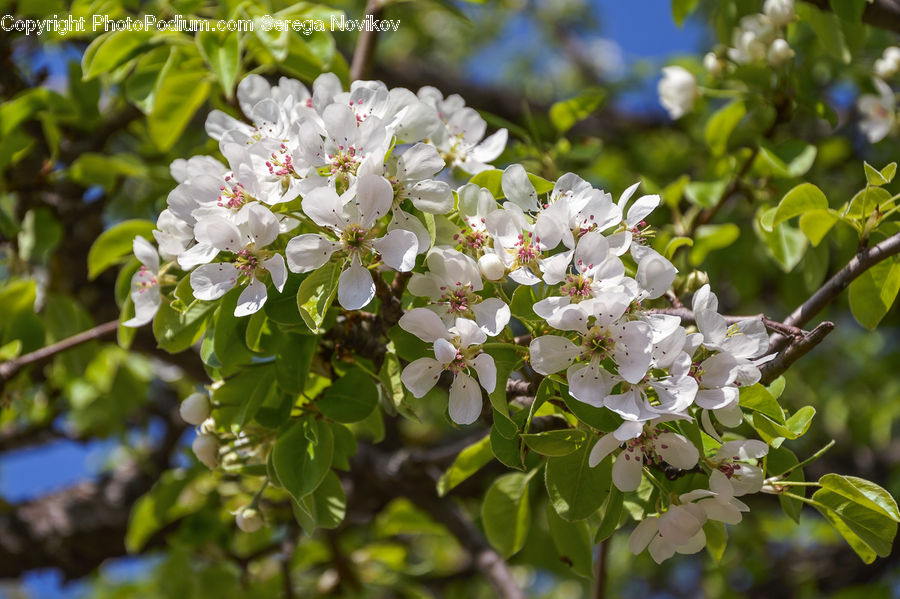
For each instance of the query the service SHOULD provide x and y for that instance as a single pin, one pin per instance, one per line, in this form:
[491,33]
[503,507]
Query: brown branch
[9,368]
[364,53]
[733,186]
[817,302]
[795,350]
[883,14]
[601,570]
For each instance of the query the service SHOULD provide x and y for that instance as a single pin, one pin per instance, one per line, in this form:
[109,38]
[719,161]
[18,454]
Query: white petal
[643,533]
[641,208]
[626,195]
[487,371]
[589,383]
[324,207]
[469,332]
[251,299]
[678,525]
[424,324]
[655,275]
[716,399]
[444,351]
[465,399]
[146,303]
[402,220]
[309,251]
[422,161]
[518,188]
[491,146]
[604,446]
[262,223]
[431,196]
[146,253]
[492,315]
[355,287]
[201,253]
[552,353]
[421,375]
[677,450]
[374,196]
[275,266]
[219,233]
[750,449]
[398,249]
[212,281]
[626,471]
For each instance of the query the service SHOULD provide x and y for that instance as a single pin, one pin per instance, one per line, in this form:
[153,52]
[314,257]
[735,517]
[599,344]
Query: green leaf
[712,237]
[111,49]
[100,169]
[868,530]
[323,508]
[179,96]
[866,200]
[41,232]
[757,398]
[176,331]
[490,180]
[317,293]
[351,398]
[566,113]
[775,433]
[778,461]
[675,243]
[242,395]
[160,506]
[522,303]
[222,51]
[873,293]
[599,418]
[114,245]
[849,10]
[612,515]
[576,490]
[572,541]
[863,492]
[302,456]
[721,124]
[682,8]
[705,193]
[874,176]
[788,160]
[785,244]
[716,538]
[469,461]
[506,361]
[815,224]
[828,29]
[803,198]
[555,443]
[506,512]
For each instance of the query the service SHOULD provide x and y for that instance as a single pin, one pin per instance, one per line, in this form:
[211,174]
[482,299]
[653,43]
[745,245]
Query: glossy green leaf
[566,113]
[873,293]
[506,512]
[114,245]
[302,456]
[469,461]
[576,490]
[317,293]
[803,198]
[222,51]
[350,398]
[572,541]
[721,124]
[555,443]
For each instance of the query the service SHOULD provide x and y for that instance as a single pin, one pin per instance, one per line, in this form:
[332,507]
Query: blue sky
[643,29]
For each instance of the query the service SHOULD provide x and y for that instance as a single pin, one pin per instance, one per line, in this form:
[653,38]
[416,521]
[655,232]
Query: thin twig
[9,368]
[364,53]
[795,350]
[601,569]
[733,185]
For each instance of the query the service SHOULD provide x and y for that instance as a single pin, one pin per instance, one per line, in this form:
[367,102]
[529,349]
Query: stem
[364,53]
[799,498]
[601,567]
[808,460]
[9,368]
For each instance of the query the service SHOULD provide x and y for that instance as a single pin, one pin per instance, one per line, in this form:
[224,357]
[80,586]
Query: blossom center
[232,194]
[577,287]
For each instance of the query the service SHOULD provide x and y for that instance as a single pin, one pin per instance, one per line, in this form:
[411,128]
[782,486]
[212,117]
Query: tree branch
[817,302]
[795,350]
[364,53]
[884,14]
[9,368]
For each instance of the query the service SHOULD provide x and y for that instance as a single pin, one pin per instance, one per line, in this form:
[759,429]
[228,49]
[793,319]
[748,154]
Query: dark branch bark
[795,350]
[884,14]
[364,53]
[9,368]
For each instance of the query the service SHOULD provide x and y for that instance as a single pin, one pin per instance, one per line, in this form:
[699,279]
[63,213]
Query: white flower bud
[677,91]
[780,52]
[889,64]
[249,520]
[713,64]
[206,448]
[491,267]
[195,408]
[780,12]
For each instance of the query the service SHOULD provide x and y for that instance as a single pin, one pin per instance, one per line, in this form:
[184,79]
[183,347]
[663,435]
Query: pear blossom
[144,284]
[889,64]
[737,460]
[524,248]
[249,259]
[678,91]
[879,112]
[779,12]
[452,283]
[457,350]
[779,52]
[352,223]
[650,444]
[751,39]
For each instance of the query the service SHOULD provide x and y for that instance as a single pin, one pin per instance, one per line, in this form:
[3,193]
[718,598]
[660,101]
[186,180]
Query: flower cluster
[362,179]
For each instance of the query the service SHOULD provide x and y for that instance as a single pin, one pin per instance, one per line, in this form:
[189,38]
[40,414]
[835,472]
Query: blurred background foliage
[88,126]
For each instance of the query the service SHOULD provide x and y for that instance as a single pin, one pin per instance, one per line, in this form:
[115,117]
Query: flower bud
[780,52]
[677,91]
[206,448]
[780,12]
[713,64]
[491,267]
[249,520]
[195,408]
